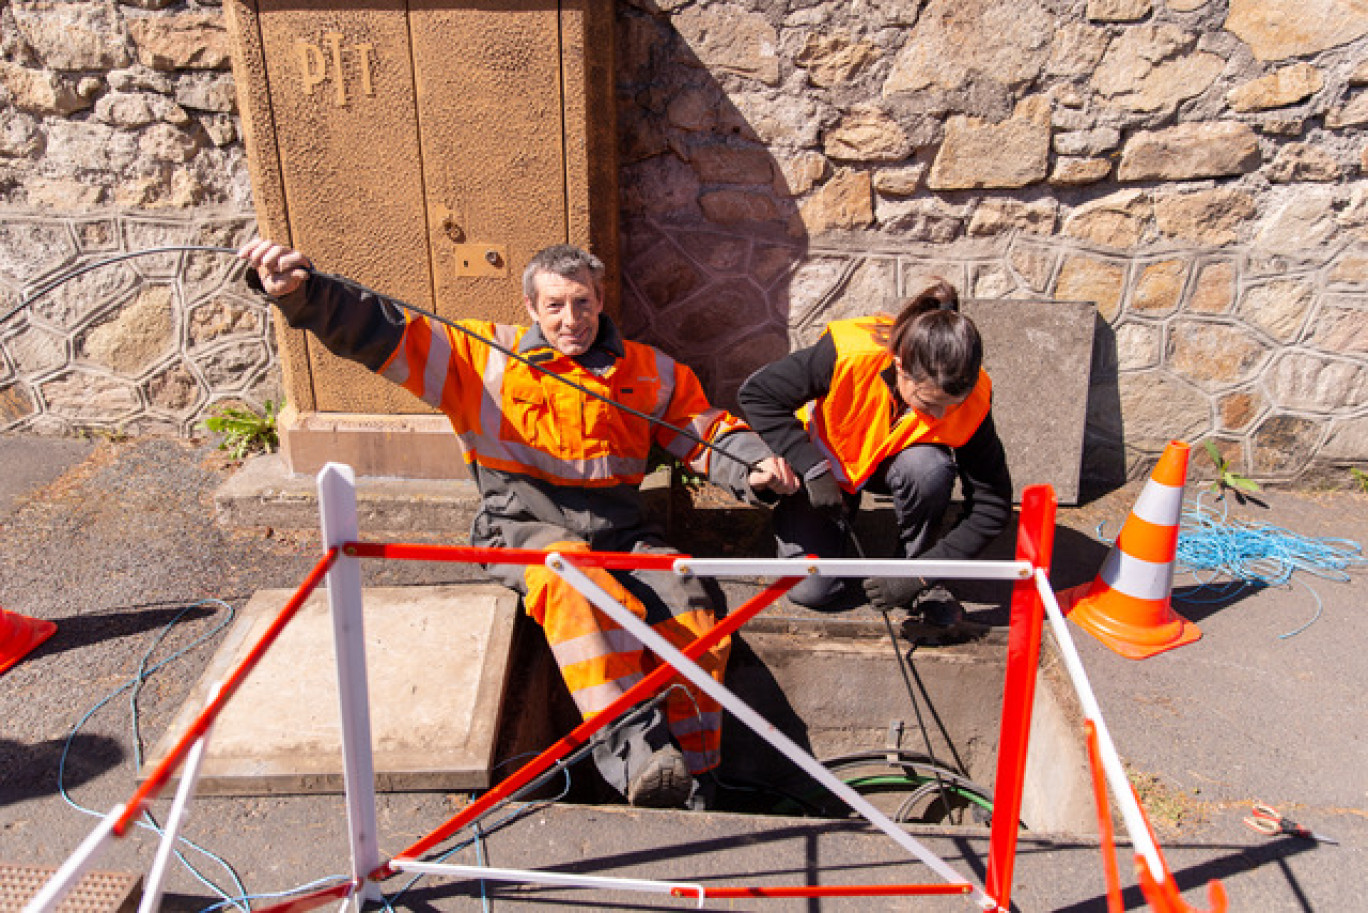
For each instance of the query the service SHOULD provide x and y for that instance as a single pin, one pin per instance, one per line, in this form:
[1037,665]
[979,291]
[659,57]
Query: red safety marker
[1035,544]
[20,636]
[1105,832]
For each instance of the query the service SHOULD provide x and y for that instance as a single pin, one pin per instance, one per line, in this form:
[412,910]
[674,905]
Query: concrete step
[265,493]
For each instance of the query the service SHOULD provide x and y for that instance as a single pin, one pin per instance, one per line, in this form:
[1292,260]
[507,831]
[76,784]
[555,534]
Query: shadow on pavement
[78,631]
[1196,877]
[31,770]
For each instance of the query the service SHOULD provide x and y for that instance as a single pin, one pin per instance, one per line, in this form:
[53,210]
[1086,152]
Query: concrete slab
[263,492]
[837,690]
[1051,872]
[437,660]
[1039,354]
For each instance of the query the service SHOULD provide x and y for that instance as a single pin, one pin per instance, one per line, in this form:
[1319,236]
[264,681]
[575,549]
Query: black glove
[886,593]
[824,493]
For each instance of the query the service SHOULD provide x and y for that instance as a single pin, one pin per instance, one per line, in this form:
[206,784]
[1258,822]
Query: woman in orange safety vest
[893,405]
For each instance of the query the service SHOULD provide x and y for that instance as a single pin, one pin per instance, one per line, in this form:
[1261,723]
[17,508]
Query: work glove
[824,493]
[887,593]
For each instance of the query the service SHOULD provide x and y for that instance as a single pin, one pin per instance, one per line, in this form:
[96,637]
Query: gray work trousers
[920,480]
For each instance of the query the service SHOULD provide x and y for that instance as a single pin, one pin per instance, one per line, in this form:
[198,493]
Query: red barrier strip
[406,551]
[857,890]
[581,733]
[312,901]
[154,783]
[1105,832]
[1035,544]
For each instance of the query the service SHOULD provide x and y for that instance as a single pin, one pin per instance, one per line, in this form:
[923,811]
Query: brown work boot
[663,783]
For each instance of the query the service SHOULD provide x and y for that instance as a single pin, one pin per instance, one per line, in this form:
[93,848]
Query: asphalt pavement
[117,542]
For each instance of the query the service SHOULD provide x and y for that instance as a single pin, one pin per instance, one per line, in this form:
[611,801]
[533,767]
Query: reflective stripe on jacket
[857,425]
[512,417]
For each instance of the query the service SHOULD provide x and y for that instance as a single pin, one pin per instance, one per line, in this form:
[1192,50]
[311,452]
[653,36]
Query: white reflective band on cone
[1160,504]
[1137,577]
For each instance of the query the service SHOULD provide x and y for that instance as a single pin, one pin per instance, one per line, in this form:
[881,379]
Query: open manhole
[921,743]
[833,685]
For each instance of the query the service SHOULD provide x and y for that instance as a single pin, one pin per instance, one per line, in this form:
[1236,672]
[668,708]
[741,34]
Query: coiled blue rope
[1251,554]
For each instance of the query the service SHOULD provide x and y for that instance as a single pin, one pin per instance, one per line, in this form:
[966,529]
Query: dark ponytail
[935,342]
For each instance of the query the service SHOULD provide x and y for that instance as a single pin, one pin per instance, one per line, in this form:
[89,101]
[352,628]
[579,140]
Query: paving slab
[1052,872]
[437,662]
[95,892]
[263,492]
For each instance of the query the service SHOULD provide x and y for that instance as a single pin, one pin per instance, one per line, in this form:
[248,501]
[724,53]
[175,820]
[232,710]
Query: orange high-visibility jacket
[857,425]
[512,417]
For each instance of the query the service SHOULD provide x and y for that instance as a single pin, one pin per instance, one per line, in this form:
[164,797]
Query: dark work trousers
[920,480]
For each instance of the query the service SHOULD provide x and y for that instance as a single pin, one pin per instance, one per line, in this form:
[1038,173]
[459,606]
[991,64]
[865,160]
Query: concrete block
[1039,354]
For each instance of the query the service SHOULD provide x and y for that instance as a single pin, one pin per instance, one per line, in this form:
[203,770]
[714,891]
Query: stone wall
[118,134]
[1195,167]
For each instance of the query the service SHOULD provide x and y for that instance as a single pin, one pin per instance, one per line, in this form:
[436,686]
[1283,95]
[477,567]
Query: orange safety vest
[515,418]
[856,426]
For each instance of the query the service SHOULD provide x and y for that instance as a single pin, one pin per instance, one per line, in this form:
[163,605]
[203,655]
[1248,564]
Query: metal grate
[96,892]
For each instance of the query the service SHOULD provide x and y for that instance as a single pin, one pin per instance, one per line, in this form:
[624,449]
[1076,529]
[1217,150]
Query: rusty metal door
[422,148]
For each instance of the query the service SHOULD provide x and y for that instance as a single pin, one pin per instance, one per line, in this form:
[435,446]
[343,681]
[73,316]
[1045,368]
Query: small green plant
[1227,479]
[245,430]
[1360,478]
[680,471]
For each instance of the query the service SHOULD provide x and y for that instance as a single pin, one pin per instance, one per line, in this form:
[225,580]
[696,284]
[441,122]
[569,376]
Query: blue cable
[135,683]
[1252,554]
[478,841]
[242,899]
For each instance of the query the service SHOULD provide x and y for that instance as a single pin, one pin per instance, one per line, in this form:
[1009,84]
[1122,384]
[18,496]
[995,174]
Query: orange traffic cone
[19,634]
[1128,606]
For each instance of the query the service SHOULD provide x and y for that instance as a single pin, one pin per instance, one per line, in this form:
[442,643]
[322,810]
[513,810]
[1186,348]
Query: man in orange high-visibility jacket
[560,469]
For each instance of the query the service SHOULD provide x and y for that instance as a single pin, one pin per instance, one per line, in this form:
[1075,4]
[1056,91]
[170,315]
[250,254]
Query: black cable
[108,261]
[902,669]
[118,258]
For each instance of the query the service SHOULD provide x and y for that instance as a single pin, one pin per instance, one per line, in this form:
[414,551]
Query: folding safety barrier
[1032,601]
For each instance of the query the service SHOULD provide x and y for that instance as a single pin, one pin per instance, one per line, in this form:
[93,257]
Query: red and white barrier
[1032,601]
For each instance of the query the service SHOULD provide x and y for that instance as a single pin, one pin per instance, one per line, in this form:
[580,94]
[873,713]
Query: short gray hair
[564,260]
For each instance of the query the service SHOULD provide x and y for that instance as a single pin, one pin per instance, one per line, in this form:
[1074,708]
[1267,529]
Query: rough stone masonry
[1194,167]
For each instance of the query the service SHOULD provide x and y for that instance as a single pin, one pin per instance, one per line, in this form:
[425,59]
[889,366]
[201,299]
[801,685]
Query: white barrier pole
[853,567]
[337,507]
[65,878]
[1111,760]
[152,893]
[762,727]
[561,879]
